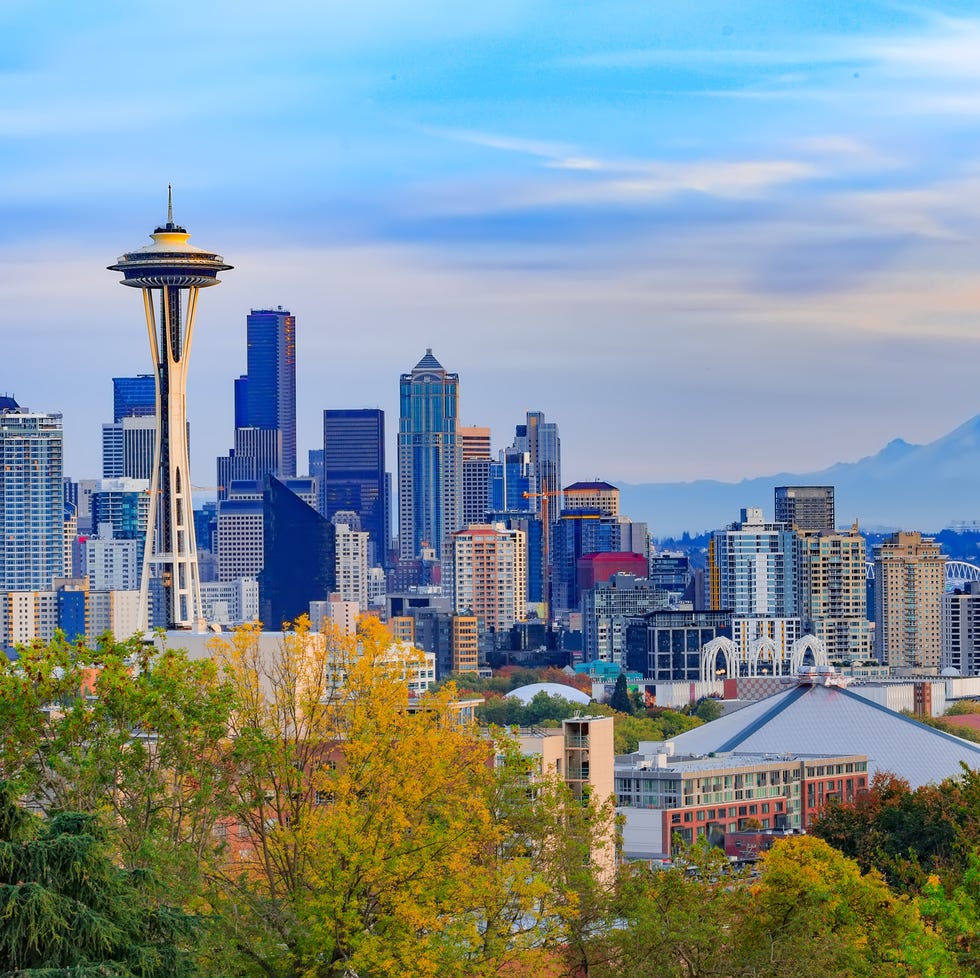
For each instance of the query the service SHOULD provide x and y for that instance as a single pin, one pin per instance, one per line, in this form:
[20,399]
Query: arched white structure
[807,643]
[763,650]
[709,658]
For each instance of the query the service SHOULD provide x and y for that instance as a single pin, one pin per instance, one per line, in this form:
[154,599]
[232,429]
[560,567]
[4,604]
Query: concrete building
[961,630]
[666,645]
[111,564]
[352,558]
[910,580]
[832,584]
[805,507]
[127,448]
[490,575]
[230,603]
[466,643]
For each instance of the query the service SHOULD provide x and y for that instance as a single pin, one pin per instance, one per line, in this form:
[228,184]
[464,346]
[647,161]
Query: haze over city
[660,226]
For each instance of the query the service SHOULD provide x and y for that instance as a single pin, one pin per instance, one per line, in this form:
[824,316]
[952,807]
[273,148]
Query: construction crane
[545,496]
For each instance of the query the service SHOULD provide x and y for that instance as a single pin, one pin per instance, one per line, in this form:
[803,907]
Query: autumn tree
[374,834]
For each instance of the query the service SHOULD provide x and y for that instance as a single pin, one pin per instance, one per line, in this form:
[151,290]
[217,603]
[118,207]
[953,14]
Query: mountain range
[904,486]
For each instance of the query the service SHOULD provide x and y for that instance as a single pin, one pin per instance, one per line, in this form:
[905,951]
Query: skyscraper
[429,462]
[32,499]
[490,579]
[353,478]
[170,273]
[270,388]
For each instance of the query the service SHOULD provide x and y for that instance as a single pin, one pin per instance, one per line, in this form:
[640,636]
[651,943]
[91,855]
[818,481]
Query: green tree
[67,910]
[620,699]
[707,709]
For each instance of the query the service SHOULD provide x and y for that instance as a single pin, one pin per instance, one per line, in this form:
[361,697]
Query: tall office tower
[298,556]
[429,463]
[474,443]
[352,558]
[805,507]
[354,473]
[477,464]
[910,580]
[490,578]
[752,565]
[170,273]
[134,397]
[544,452]
[831,578]
[961,630]
[270,386]
[127,448]
[32,499]
[257,453]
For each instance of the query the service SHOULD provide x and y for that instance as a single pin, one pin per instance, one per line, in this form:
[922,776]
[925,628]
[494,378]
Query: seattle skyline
[692,223]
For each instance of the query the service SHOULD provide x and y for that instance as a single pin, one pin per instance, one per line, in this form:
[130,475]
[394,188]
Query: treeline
[290,812]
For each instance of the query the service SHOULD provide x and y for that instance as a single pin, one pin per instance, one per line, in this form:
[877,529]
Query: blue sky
[708,239]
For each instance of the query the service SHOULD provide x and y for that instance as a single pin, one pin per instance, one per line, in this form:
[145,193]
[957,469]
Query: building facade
[910,580]
[490,575]
[961,630]
[429,463]
[805,507]
[32,499]
[353,474]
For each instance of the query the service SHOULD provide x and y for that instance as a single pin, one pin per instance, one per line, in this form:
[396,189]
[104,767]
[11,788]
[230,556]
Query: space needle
[170,272]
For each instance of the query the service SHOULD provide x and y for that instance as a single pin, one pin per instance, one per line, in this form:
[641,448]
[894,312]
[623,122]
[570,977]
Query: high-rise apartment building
[805,507]
[831,577]
[490,578]
[353,474]
[910,580]
[32,499]
[961,630]
[752,571]
[351,560]
[429,462]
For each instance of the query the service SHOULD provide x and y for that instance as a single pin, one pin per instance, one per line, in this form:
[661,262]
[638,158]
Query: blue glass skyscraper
[134,397]
[270,389]
[429,462]
[353,472]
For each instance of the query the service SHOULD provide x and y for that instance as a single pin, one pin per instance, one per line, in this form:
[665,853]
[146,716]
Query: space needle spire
[170,273]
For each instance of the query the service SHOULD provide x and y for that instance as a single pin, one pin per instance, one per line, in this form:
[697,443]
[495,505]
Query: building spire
[170,203]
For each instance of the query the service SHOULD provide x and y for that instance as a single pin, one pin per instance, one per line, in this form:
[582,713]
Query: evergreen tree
[620,699]
[67,910]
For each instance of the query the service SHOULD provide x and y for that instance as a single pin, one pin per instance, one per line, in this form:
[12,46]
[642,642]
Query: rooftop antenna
[170,203]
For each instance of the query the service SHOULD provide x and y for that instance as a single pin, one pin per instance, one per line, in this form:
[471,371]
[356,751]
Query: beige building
[593,495]
[832,582]
[910,580]
[490,574]
[466,643]
[351,562]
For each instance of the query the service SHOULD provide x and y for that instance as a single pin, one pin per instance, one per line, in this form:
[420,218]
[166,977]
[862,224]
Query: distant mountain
[913,487]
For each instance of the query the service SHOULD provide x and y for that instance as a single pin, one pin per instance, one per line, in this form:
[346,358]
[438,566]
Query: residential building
[353,474]
[831,578]
[910,580]
[490,575]
[351,572]
[805,507]
[429,463]
[110,564]
[230,603]
[466,643]
[961,630]
[32,499]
